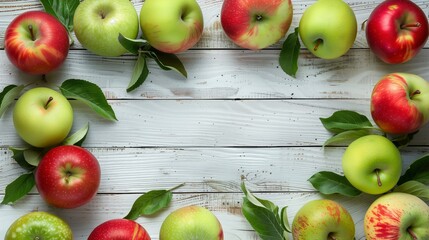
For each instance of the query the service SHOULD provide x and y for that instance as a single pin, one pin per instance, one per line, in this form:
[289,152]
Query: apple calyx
[410,25]
[259,17]
[413,235]
[331,237]
[377,173]
[47,102]
[317,44]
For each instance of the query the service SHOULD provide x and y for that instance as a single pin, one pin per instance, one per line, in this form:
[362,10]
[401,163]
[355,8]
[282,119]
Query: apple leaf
[19,188]
[263,221]
[330,183]
[18,155]
[8,95]
[140,73]
[168,61]
[33,156]
[264,217]
[78,137]
[151,203]
[289,53]
[345,120]
[90,94]
[63,10]
[418,171]
[346,137]
[403,140]
[415,188]
[132,45]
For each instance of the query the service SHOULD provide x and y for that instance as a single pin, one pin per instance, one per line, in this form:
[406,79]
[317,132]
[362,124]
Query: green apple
[39,225]
[97,24]
[43,117]
[171,26]
[372,164]
[323,219]
[328,28]
[397,216]
[191,223]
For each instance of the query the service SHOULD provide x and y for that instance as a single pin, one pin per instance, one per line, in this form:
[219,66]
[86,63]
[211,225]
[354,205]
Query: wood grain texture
[207,123]
[213,35]
[226,74]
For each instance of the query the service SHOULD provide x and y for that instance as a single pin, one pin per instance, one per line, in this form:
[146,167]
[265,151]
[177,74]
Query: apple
[397,216]
[400,103]
[256,24]
[372,164]
[191,222]
[117,229]
[171,26]
[328,28]
[396,30]
[42,117]
[36,42]
[68,176]
[97,24]
[323,219]
[39,225]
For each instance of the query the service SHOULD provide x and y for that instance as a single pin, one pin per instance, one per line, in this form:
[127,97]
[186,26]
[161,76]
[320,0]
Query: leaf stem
[176,187]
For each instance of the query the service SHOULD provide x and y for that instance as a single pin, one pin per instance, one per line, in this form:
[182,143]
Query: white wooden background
[237,114]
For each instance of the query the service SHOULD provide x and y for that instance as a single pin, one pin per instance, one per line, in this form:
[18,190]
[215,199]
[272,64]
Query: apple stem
[377,172]
[47,103]
[417,24]
[318,42]
[415,93]
[413,235]
[30,28]
[330,237]
[258,18]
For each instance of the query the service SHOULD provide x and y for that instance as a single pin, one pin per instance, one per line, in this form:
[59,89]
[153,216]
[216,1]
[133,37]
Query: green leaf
[132,45]
[18,155]
[63,10]
[415,188]
[90,94]
[168,61]
[418,171]
[289,54]
[331,183]
[403,140]
[151,203]
[19,188]
[346,137]
[78,137]
[140,73]
[263,221]
[345,120]
[8,95]
[33,156]
[284,219]
[257,201]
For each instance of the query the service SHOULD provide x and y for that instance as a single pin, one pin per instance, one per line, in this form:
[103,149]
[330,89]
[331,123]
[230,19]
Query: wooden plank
[134,170]
[226,74]
[225,206]
[207,123]
[213,35]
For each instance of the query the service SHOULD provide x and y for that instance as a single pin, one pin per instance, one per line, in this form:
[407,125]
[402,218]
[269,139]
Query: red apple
[256,24]
[68,176]
[119,229]
[400,103]
[36,42]
[396,30]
